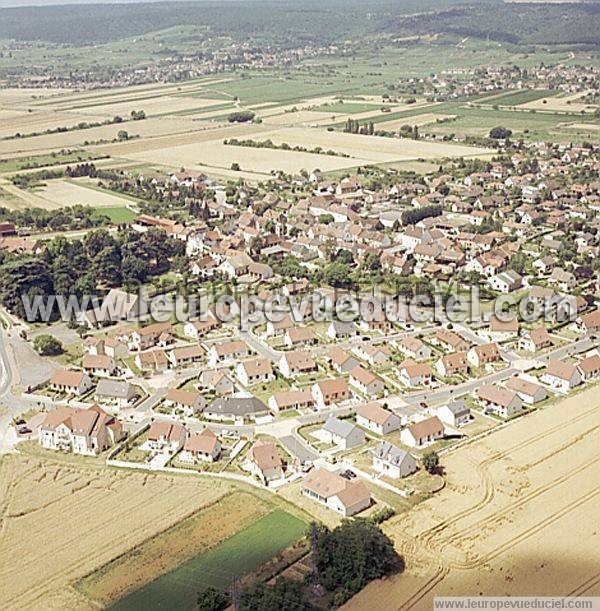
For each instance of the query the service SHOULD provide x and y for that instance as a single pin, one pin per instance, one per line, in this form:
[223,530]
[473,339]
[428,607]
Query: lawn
[119,215]
[242,553]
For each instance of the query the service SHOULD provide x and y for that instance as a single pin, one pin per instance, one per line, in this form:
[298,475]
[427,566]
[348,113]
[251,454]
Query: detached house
[335,492]
[264,462]
[227,351]
[366,382]
[299,336]
[330,392]
[291,399]
[342,433]
[414,348]
[589,368]
[70,382]
[535,340]
[453,364]
[201,447]
[392,461]
[505,282]
[341,330]
[529,392]
[414,374]
[589,323]
[190,402]
[481,355]
[377,419]
[341,360]
[165,437]
[81,431]
[561,376]
[297,362]
[114,392]
[419,434]
[254,371]
[455,414]
[501,401]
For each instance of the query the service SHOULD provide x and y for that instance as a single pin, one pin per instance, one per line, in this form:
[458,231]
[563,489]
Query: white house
[70,382]
[254,371]
[366,382]
[561,376]
[455,413]
[414,374]
[392,461]
[377,419]
[330,392]
[165,437]
[201,447]
[501,401]
[342,433]
[422,433]
[335,492]
[528,391]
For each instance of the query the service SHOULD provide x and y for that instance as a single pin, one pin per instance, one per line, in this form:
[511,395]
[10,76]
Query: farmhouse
[455,414]
[114,392]
[81,431]
[561,376]
[368,383]
[264,462]
[329,392]
[291,399]
[529,392]
[392,461]
[335,492]
[342,433]
[70,382]
[483,354]
[165,437]
[296,363]
[453,364]
[501,401]
[201,447]
[188,401]
[377,419]
[419,434]
[254,371]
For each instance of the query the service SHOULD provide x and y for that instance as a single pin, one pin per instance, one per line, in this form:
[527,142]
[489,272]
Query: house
[366,382]
[377,419]
[589,323]
[277,328]
[236,265]
[197,329]
[160,333]
[414,374]
[254,371]
[529,392]
[561,376]
[481,355]
[264,462]
[227,351]
[341,360]
[236,409]
[501,401]
[81,431]
[188,401]
[589,368]
[185,355]
[450,341]
[115,348]
[291,399]
[414,348]
[341,433]
[201,447]
[453,364]
[330,392]
[392,461]
[536,339]
[455,413]
[153,360]
[98,364]
[116,305]
[563,279]
[374,355]
[335,492]
[217,381]
[70,382]
[114,392]
[299,336]
[165,437]
[341,330]
[296,363]
[505,282]
[419,434]
[502,330]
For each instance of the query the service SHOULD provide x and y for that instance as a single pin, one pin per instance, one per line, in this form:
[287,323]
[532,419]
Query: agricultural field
[517,97]
[515,517]
[63,193]
[237,555]
[563,103]
[110,512]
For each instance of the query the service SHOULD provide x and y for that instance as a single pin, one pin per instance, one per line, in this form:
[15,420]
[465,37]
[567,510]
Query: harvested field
[62,193]
[11,96]
[62,520]
[169,550]
[515,518]
[38,122]
[303,118]
[418,120]
[565,103]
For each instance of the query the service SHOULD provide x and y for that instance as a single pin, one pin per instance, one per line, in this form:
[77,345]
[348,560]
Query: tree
[212,599]
[235,166]
[122,135]
[431,462]
[284,594]
[26,277]
[500,133]
[46,345]
[337,275]
[242,116]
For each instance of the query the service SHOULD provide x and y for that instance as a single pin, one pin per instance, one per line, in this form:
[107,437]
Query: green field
[44,161]
[240,554]
[119,215]
[514,98]
[349,107]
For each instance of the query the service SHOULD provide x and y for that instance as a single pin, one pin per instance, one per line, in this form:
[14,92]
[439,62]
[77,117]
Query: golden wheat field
[63,520]
[519,516]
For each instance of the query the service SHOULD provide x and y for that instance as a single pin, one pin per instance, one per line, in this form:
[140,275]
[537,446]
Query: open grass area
[241,553]
[43,161]
[119,215]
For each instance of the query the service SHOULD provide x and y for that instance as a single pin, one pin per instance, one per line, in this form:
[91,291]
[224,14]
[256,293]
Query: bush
[431,462]
[500,133]
[242,116]
[46,345]
[212,599]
